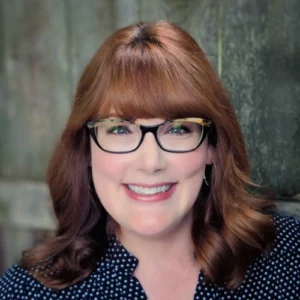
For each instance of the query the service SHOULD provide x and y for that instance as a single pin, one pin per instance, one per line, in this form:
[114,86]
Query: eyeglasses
[178,136]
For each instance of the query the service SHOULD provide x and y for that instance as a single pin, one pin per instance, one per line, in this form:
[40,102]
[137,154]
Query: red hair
[143,71]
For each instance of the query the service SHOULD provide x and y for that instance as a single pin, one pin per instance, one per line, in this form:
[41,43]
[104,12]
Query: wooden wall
[44,45]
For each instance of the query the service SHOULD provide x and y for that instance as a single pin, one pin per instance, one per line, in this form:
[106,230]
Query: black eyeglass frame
[205,123]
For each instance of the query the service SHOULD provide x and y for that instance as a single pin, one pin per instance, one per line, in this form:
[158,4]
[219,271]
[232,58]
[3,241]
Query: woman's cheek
[109,164]
[189,163]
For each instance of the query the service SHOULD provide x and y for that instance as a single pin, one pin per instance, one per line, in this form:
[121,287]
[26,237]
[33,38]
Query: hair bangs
[150,85]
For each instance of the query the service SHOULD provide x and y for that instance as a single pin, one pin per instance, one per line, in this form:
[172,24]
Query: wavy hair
[153,70]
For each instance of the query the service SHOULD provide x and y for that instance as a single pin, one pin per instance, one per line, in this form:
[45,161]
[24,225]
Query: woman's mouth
[149,191]
[152,193]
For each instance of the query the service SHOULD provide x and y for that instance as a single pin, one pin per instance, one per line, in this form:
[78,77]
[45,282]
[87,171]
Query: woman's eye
[179,130]
[118,130]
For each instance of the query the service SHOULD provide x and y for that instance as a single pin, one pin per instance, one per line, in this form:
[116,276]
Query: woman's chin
[151,228]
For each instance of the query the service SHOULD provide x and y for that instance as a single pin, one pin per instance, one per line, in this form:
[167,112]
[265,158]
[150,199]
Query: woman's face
[162,212]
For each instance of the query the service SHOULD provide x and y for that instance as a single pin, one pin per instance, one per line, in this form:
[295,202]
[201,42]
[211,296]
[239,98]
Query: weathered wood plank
[88,25]
[2,51]
[261,45]
[203,24]
[174,11]
[26,205]
[126,12]
[16,241]
[3,90]
[36,72]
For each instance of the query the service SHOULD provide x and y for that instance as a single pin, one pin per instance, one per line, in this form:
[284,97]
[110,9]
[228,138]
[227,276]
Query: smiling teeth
[149,191]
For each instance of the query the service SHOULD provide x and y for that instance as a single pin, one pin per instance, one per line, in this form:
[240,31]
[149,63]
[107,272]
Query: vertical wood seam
[140,11]
[220,36]
[4,83]
[68,24]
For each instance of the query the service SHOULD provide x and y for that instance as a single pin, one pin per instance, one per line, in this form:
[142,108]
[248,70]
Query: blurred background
[254,45]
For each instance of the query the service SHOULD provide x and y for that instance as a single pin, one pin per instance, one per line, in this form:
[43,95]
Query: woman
[150,187]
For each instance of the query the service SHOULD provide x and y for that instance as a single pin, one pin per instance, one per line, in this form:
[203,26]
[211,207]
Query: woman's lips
[150,198]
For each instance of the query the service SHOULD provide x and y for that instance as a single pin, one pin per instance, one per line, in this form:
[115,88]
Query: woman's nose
[151,157]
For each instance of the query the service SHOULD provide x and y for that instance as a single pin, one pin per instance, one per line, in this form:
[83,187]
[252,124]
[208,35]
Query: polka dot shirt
[276,276]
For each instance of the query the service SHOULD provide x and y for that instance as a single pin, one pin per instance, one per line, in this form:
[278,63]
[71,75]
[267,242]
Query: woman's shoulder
[278,272]
[286,246]
[18,283]
[288,233]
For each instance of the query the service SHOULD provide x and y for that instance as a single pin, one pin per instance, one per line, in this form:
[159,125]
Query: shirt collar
[118,257]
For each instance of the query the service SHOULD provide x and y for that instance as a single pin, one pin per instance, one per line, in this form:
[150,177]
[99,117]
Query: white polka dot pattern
[276,276]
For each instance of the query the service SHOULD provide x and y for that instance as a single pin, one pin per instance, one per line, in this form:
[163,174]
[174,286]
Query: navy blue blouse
[276,276]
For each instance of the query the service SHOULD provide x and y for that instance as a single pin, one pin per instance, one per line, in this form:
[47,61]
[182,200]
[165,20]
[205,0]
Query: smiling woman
[150,187]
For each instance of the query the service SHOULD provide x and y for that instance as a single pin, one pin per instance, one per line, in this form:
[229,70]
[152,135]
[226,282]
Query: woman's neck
[175,248]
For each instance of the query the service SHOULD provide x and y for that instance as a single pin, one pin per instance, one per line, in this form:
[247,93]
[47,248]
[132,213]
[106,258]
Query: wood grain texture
[202,23]
[16,241]
[38,91]
[126,12]
[2,51]
[261,47]
[3,84]
[26,204]
[174,11]
[88,27]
